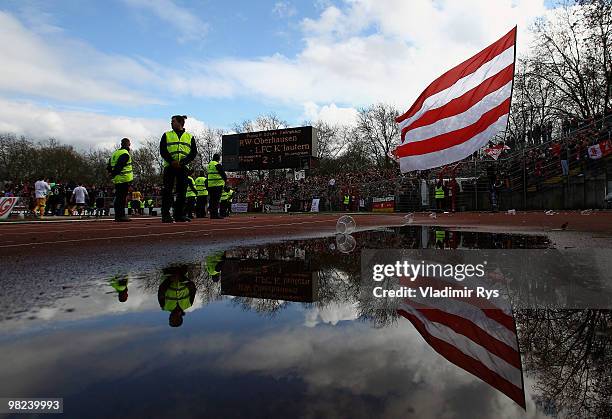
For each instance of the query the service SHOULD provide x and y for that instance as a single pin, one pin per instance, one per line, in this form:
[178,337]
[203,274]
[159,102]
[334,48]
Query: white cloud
[378,363]
[46,66]
[366,51]
[189,26]
[357,52]
[331,114]
[81,129]
[284,9]
[332,313]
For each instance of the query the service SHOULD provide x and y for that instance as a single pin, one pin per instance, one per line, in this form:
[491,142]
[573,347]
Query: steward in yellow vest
[202,194]
[120,168]
[176,294]
[439,195]
[226,201]
[178,149]
[190,197]
[215,183]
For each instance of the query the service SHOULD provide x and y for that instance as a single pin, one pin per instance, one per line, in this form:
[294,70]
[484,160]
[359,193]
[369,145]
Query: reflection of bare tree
[570,353]
[337,275]
[264,306]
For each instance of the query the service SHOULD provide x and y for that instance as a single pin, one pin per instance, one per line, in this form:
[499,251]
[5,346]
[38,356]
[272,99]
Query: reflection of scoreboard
[276,149]
[289,280]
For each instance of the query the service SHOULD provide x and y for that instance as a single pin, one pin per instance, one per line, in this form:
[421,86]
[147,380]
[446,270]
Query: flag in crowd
[495,151]
[474,333]
[599,150]
[460,111]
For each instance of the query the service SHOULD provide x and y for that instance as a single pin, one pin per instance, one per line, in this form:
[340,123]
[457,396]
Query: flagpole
[512,87]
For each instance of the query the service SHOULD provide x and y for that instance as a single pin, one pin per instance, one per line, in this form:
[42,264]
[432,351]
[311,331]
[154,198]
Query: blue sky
[89,72]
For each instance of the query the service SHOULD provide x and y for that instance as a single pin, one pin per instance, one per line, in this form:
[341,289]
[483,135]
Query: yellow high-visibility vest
[177,294]
[178,148]
[189,192]
[200,185]
[214,178]
[126,175]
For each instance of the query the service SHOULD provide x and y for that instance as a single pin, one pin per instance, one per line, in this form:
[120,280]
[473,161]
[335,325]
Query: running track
[36,236]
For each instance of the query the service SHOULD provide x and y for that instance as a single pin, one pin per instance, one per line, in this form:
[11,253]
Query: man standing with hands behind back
[120,168]
[215,183]
[178,149]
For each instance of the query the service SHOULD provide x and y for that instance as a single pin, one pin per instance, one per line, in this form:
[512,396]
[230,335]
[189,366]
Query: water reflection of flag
[460,111]
[472,333]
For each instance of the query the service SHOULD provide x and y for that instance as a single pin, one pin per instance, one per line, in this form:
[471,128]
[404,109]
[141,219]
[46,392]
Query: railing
[93,207]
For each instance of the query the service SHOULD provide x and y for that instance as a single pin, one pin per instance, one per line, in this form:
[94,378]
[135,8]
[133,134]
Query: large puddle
[279,330]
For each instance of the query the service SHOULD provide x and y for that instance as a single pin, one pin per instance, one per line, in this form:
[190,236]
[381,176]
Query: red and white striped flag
[473,333]
[461,110]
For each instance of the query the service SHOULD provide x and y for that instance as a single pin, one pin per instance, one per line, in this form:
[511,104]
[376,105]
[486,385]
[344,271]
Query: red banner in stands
[386,204]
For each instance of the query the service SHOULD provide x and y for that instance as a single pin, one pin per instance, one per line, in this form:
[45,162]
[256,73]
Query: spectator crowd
[531,161]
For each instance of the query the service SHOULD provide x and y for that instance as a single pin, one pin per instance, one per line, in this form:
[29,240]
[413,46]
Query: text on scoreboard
[275,149]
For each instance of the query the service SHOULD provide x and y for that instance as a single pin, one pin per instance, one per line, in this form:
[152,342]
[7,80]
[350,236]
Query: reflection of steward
[176,294]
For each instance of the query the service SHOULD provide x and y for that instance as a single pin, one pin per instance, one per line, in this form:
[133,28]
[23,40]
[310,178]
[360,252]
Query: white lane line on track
[35,229]
[49,221]
[161,234]
[131,227]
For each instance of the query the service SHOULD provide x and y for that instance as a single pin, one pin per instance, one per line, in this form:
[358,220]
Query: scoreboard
[289,148]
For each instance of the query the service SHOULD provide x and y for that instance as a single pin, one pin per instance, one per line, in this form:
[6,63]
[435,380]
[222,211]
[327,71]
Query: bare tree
[147,161]
[571,53]
[376,125]
[208,141]
[261,123]
[569,353]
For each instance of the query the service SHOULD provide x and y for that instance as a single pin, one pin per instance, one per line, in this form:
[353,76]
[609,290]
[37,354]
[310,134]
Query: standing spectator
[549,130]
[495,188]
[565,126]
[53,200]
[565,152]
[80,197]
[537,134]
[41,190]
[100,207]
[68,208]
[565,160]
[453,188]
